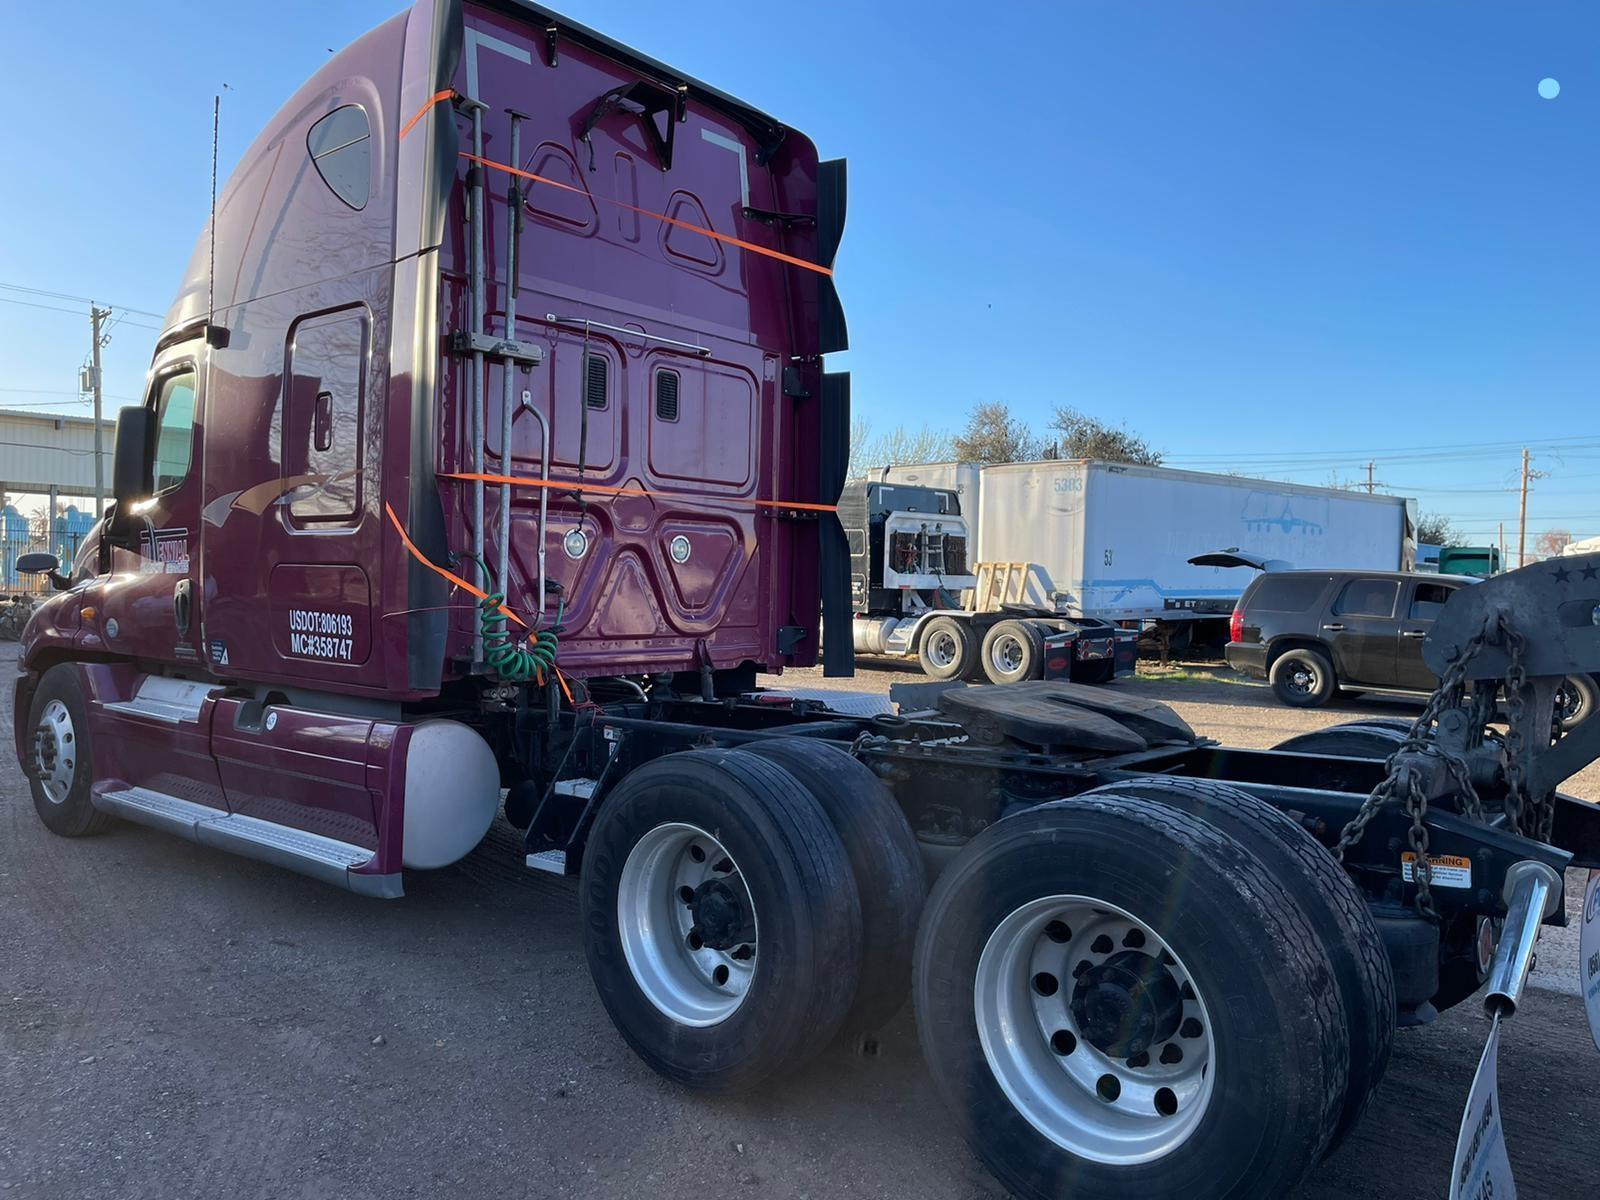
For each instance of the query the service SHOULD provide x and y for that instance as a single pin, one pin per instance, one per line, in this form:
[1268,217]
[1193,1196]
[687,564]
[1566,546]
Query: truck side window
[1429,601]
[1368,598]
[174,431]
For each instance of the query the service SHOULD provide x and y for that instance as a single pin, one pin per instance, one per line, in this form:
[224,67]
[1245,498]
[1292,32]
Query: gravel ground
[175,1022]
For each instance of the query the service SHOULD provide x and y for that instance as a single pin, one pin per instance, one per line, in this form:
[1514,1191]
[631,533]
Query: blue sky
[1279,238]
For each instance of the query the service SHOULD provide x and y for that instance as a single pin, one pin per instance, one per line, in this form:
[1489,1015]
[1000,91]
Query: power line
[1286,455]
[17,287]
[71,312]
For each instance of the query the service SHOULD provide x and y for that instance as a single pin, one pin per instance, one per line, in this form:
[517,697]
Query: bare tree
[993,435]
[1078,435]
[897,447]
[1552,542]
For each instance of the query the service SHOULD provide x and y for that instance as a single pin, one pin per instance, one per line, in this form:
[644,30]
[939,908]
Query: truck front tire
[60,762]
[721,919]
[1067,984]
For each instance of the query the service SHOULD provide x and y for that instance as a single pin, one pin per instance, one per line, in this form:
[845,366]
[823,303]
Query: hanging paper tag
[1589,954]
[1481,1170]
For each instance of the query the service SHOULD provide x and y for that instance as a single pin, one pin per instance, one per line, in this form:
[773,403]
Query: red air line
[561,485]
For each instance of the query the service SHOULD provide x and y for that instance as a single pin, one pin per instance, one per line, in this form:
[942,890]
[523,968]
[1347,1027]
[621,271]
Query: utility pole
[1502,545]
[1528,476]
[1522,513]
[97,318]
[1370,484]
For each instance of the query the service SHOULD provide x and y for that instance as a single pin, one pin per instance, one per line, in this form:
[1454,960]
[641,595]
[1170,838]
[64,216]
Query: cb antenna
[211,268]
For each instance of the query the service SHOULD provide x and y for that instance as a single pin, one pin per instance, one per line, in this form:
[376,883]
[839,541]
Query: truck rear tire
[1353,739]
[947,649]
[721,920]
[61,762]
[1012,651]
[884,859]
[1118,999]
[1336,908]
[1303,678]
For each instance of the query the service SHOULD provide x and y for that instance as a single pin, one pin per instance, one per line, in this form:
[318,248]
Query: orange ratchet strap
[645,212]
[447,94]
[567,485]
[438,570]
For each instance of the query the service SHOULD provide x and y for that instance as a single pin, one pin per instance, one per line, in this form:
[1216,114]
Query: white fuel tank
[452,792]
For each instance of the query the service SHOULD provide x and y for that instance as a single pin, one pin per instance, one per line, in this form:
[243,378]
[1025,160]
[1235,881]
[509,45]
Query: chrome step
[162,699]
[323,858]
[552,861]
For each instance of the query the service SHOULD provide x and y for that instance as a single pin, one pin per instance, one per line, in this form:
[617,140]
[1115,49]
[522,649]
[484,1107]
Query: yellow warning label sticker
[1449,870]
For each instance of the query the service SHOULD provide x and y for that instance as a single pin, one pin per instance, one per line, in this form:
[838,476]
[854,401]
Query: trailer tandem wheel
[1118,999]
[1330,900]
[60,770]
[721,919]
[884,860]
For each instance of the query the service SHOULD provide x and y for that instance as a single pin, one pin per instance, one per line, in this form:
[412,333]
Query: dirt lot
[176,1022]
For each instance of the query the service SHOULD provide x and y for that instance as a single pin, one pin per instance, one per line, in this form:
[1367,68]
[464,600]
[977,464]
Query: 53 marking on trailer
[1449,870]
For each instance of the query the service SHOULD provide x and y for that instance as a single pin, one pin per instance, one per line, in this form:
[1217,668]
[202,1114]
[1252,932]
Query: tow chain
[1402,780]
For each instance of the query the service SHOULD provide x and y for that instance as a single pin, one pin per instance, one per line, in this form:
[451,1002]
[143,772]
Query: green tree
[1435,529]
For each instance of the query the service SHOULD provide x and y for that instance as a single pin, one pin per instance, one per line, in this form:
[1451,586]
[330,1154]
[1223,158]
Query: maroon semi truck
[488,456]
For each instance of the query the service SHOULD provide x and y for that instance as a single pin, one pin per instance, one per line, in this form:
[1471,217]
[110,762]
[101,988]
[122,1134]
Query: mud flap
[838,647]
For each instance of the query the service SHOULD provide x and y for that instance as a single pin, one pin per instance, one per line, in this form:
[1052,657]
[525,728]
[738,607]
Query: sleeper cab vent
[596,380]
[667,395]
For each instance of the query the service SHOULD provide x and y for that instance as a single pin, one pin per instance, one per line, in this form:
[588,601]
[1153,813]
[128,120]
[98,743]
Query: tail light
[1236,626]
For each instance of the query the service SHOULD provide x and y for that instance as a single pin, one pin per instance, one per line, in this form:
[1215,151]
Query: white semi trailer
[1115,541]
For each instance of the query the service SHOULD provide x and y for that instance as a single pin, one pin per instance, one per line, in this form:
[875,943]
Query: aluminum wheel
[942,648]
[55,751]
[1006,654]
[1094,1029]
[687,924]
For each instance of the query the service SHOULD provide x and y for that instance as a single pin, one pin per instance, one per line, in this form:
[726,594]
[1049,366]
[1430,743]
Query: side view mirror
[43,564]
[130,461]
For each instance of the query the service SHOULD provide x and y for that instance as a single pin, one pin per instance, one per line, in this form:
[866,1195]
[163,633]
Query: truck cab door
[150,604]
[1362,628]
[1422,603]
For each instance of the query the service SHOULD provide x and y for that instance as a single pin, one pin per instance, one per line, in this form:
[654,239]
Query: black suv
[1313,633]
